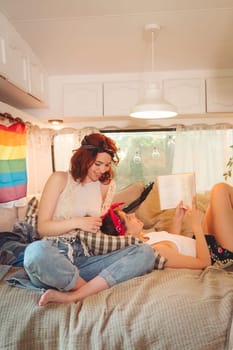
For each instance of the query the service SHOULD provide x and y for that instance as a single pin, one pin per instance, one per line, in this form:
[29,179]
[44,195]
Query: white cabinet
[21,70]
[219,93]
[188,95]
[17,60]
[37,78]
[83,99]
[3,45]
[120,97]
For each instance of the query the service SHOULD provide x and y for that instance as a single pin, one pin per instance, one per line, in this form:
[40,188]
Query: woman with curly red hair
[76,200]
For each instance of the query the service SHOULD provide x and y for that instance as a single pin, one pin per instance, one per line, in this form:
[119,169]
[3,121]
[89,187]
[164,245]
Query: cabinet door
[83,100]
[3,46]
[17,60]
[219,93]
[188,95]
[37,79]
[120,97]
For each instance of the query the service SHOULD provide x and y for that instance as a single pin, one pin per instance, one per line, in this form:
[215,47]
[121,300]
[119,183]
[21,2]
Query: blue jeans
[48,265]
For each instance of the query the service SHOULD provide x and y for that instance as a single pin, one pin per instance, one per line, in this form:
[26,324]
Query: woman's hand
[180,211]
[178,218]
[196,216]
[89,223]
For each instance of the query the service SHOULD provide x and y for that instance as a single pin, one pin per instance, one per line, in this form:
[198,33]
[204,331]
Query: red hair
[86,154]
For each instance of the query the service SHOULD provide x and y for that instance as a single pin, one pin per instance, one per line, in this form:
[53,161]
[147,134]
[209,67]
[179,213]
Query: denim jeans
[48,265]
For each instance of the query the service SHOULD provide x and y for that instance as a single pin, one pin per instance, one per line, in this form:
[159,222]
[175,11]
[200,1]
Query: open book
[174,188]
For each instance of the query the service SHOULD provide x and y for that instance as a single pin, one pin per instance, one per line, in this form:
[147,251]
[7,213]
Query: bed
[166,309]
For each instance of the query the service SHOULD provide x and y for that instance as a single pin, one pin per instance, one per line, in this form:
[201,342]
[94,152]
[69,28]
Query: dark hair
[86,154]
[108,226]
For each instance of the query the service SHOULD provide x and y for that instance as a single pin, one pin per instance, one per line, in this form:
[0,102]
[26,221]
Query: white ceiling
[106,36]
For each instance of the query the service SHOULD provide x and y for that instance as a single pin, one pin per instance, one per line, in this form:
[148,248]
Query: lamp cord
[152,51]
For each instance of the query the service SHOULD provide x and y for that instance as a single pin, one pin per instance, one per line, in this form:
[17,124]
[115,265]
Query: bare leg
[218,220]
[94,286]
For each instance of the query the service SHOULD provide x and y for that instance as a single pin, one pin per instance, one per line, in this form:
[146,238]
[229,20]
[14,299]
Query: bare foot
[96,285]
[54,296]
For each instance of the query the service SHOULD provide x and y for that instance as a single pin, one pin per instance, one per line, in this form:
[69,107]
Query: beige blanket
[165,310]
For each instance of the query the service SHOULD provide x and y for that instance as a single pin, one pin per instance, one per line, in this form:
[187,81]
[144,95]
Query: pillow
[135,204]
[164,221]
[149,208]
[150,214]
[102,244]
[130,193]
[31,215]
[203,200]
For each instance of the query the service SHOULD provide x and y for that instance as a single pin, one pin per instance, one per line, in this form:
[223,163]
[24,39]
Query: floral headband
[119,226]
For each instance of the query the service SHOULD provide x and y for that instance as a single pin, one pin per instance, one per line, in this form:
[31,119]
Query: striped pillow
[32,211]
[101,243]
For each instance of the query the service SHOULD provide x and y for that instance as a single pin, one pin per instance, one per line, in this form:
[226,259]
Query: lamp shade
[153,105]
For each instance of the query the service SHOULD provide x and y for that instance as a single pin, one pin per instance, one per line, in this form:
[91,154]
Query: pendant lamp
[153,105]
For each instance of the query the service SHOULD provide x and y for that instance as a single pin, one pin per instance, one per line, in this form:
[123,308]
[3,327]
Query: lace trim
[109,197]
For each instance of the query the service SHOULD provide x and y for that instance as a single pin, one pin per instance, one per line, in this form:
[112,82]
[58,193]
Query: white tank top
[83,199]
[88,199]
[185,245]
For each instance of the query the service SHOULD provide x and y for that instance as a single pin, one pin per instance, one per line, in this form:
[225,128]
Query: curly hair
[86,154]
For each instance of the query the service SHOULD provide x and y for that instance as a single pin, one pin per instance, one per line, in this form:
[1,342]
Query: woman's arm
[107,193]
[47,226]
[201,245]
[178,219]
[177,260]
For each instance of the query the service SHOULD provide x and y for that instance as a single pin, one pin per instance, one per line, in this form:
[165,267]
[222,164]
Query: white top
[82,200]
[185,245]
[88,199]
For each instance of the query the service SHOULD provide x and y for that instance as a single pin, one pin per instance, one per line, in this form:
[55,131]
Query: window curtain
[205,150]
[86,131]
[68,140]
[13,171]
[39,153]
[39,159]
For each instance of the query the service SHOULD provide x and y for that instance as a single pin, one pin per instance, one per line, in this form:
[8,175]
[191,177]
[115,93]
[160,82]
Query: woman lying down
[179,251]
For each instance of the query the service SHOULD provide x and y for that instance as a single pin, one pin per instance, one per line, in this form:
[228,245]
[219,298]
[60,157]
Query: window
[143,154]
[63,146]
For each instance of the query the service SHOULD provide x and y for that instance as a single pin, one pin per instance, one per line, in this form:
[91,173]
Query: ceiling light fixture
[153,104]
[55,121]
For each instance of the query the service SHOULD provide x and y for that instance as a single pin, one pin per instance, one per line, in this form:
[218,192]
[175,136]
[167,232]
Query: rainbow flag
[13,174]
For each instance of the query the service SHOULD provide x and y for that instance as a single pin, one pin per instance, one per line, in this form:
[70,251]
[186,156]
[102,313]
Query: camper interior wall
[39,155]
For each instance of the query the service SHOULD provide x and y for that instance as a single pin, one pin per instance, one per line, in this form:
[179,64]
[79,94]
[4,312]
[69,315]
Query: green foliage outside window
[143,155]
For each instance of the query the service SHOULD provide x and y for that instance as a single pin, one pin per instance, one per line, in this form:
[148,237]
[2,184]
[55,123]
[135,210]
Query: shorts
[218,253]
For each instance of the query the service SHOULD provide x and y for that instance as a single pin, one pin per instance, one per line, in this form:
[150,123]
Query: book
[174,188]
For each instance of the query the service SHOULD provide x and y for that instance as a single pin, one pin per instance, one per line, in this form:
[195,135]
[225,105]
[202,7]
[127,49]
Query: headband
[119,226]
[100,148]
